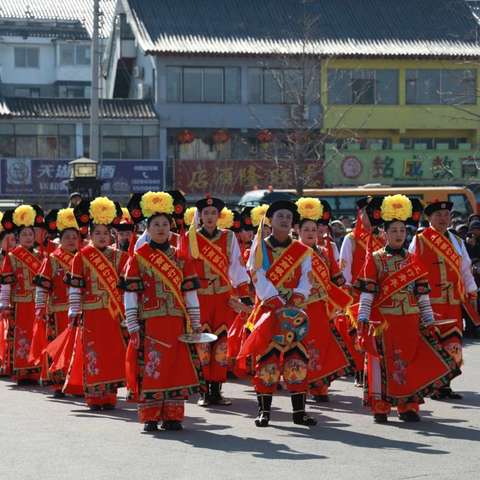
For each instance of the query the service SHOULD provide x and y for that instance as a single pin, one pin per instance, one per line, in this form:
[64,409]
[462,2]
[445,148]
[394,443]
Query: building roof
[438,28]
[79,11]
[73,109]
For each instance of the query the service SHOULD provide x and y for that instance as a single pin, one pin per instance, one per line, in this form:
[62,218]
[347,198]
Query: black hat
[363,202]
[246,219]
[51,222]
[437,205]
[75,194]
[133,206]
[373,208]
[417,210]
[39,217]
[237,222]
[475,225]
[283,205]
[82,215]
[327,216]
[210,202]
[7,222]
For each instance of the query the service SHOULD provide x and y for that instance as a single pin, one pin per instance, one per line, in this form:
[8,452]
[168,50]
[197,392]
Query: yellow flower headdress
[309,208]
[225,219]
[396,207]
[102,211]
[189,215]
[156,202]
[1,226]
[66,219]
[257,214]
[24,216]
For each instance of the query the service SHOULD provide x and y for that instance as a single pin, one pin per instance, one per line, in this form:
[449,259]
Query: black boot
[172,425]
[409,416]
[299,415]
[359,379]
[216,397]
[380,418]
[58,394]
[264,407]
[150,427]
[204,400]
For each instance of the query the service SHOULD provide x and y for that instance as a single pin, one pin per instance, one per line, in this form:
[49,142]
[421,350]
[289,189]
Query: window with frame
[27,57]
[275,86]
[362,87]
[441,87]
[203,84]
[27,92]
[74,54]
[71,91]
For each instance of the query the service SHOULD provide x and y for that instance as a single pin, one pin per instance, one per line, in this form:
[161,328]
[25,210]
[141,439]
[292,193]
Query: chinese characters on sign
[431,167]
[235,177]
[49,177]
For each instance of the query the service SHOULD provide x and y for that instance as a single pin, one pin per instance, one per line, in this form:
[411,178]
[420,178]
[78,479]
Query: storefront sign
[49,177]
[234,177]
[392,167]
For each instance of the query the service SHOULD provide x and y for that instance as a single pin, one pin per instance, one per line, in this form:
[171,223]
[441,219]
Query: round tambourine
[197,338]
[291,326]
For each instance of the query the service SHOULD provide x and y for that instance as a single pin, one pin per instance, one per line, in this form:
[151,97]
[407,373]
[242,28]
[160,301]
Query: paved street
[42,438]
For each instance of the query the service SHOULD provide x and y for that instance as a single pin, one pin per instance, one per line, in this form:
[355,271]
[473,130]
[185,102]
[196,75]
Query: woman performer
[96,306]
[51,300]
[327,352]
[18,291]
[404,361]
[161,301]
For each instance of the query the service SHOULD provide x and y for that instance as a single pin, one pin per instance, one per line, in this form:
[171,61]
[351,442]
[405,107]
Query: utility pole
[95,88]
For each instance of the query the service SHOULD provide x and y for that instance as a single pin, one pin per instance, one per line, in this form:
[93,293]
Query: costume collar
[395,251]
[160,246]
[204,232]
[277,244]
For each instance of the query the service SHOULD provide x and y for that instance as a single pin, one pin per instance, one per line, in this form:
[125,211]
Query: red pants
[161,410]
[217,317]
[292,364]
[101,397]
[380,406]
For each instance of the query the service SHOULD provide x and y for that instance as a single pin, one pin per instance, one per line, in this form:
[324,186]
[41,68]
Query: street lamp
[84,177]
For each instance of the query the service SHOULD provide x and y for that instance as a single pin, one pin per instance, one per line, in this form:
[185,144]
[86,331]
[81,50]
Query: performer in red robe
[161,304]
[96,305]
[366,235]
[7,243]
[404,360]
[327,352]
[51,301]
[19,268]
[222,273]
[281,270]
[451,280]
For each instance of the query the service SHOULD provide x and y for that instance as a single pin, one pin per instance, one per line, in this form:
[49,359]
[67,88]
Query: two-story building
[45,46]
[376,90]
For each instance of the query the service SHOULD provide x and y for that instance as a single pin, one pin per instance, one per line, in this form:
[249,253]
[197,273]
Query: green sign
[397,167]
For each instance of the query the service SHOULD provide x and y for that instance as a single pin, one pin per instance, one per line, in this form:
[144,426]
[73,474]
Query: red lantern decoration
[186,137]
[265,136]
[221,137]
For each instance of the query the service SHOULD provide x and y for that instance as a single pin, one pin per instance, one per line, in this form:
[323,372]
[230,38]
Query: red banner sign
[236,176]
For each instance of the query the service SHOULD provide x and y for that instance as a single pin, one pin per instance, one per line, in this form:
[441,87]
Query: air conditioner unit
[299,112]
[138,72]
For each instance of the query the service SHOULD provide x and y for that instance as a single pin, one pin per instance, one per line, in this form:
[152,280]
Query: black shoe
[95,407]
[299,415]
[204,400]
[172,425]
[409,416]
[150,427]
[58,394]
[109,406]
[321,398]
[216,397]
[454,395]
[264,407]
[26,381]
[380,418]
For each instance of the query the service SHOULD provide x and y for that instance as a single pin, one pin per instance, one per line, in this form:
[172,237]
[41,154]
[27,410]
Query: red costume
[327,352]
[19,268]
[160,288]
[404,361]
[99,345]
[220,269]
[52,301]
